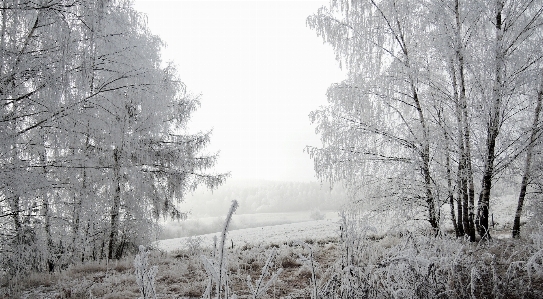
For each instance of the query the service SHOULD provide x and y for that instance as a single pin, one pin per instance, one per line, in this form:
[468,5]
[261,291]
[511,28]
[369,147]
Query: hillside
[261,196]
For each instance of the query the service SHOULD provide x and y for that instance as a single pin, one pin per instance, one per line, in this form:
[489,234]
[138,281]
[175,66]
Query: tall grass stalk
[232,210]
[145,276]
[310,261]
[260,288]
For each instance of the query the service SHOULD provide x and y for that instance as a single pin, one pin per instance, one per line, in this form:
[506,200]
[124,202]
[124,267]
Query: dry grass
[34,280]
[180,274]
[427,266]
[287,262]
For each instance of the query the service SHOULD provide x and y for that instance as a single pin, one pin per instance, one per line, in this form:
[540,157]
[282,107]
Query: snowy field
[274,234]
[280,228]
[195,226]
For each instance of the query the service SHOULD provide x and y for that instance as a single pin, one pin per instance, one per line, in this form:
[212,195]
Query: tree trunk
[464,135]
[469,189]
[425,156]
[76,223]
[114,225]
[526,176]
[462,223]
[425,143]
[430,202]
[79,201]
[15,207]
[450,192]
[493,130]
[459,221]
[46,214]
[47,226]
[49,239]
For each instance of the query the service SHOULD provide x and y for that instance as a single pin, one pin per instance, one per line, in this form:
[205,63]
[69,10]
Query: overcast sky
[260,71]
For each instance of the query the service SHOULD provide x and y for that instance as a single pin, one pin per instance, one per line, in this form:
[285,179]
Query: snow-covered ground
[195,226]
[278,234]
[279,228]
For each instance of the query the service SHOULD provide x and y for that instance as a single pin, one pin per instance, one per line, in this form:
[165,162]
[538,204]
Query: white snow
[278,234]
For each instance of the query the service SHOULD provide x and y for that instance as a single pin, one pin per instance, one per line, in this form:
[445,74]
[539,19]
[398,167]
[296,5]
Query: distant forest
[258,196]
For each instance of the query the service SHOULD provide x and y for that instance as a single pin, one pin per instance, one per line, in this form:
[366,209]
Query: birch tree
[418,69]
[514,56]
[378,116]
[454,34]
[526,175]
[93,134]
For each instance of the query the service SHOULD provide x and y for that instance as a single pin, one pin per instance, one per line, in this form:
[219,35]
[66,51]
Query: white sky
[260,72]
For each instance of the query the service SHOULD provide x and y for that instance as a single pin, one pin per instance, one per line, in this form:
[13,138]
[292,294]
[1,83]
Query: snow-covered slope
[278,234]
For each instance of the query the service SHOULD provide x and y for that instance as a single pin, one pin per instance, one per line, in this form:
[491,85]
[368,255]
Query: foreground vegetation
[180,273]
[357,264]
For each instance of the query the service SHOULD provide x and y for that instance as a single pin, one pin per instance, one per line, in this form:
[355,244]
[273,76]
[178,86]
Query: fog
[259,70]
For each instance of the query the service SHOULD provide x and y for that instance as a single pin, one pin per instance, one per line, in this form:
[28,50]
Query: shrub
[194,245]
[316,214]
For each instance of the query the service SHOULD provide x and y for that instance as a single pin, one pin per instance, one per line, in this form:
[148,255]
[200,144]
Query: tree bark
[529,151]
[15,207]
[424,152]
[462,212]
[493,130]
[45,212]
[79,200]
[450,192]
[459,209]
[464,135]
[466,223]
[114,224]
[49,239]
[425,155]
[461,182]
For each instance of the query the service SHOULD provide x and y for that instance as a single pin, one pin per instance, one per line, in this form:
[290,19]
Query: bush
[194,245]
[417,266]
[316,214]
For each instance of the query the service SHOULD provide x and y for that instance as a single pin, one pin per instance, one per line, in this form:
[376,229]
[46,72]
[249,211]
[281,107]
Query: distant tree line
[267,197]
[93,141]
[441,103]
